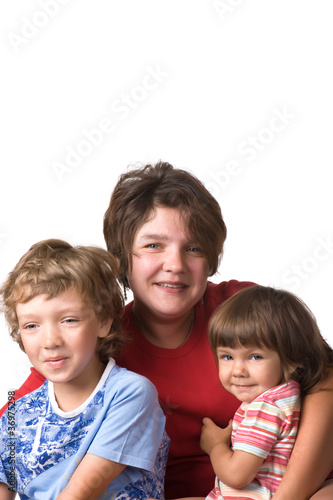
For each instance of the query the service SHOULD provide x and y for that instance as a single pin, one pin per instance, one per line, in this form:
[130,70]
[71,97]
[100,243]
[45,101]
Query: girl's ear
[104,327]
[289,370]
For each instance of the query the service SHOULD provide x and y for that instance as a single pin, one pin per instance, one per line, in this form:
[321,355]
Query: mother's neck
[169,334]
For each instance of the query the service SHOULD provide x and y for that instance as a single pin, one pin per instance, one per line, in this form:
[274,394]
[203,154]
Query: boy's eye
[31,326]
[71,320]
[153,245]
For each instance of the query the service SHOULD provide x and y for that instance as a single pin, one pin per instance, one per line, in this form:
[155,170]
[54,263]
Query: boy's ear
[104,327]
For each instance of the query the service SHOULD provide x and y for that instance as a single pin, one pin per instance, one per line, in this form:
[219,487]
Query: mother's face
[169,270]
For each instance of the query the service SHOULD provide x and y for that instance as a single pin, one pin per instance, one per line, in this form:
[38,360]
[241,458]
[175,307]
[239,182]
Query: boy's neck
[71,395]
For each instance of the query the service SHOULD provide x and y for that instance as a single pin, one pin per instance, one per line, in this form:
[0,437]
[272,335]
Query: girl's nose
[239,369]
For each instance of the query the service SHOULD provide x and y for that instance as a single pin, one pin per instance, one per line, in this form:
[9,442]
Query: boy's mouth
[56,362]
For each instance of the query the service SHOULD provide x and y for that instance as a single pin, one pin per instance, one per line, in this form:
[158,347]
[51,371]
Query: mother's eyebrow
[153,236]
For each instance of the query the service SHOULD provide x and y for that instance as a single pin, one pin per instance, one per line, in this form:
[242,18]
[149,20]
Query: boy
[92,428]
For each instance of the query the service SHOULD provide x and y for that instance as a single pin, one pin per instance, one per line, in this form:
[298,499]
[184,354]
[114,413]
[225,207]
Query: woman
[167,232]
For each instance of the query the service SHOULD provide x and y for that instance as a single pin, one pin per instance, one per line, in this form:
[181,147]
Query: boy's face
[59,336]
[247,372]
[169,270]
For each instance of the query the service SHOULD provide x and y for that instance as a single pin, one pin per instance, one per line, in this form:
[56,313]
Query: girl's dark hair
[139,191]
[277,320]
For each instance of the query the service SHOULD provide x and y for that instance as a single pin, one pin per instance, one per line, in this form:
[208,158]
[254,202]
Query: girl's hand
[211,435]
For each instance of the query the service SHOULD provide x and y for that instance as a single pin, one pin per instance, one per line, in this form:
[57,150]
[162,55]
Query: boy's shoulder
[34,381]
[28,408]
[130,381]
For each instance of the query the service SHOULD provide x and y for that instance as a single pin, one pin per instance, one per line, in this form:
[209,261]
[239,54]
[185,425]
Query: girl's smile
[247,372]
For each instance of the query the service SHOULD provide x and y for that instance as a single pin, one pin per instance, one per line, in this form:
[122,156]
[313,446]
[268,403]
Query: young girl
[269,352]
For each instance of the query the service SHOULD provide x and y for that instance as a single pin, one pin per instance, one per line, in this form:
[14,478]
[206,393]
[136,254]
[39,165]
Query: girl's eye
[153,245]
[256,357]
[225,357]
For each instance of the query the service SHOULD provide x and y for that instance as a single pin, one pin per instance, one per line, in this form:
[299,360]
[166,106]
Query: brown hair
[53,266]
[139,191]
[277,320]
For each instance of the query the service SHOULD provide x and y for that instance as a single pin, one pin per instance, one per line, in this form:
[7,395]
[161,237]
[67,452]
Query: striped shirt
[267,428]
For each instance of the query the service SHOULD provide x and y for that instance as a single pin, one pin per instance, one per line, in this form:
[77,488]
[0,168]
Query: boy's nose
[51,337]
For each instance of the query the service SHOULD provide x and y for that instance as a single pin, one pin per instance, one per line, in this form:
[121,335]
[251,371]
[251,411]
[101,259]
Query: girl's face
[247,372]
[169,270]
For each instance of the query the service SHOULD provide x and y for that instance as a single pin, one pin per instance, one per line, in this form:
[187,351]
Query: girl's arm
[311,460]
[5,493]
[235,468]
[90,479]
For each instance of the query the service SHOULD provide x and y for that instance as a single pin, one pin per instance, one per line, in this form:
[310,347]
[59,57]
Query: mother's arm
[312,458]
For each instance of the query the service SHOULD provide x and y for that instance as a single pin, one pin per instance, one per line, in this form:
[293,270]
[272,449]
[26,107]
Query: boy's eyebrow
[25,316]
[65,310]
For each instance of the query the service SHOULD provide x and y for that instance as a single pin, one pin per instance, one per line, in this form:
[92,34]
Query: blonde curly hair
[52,267]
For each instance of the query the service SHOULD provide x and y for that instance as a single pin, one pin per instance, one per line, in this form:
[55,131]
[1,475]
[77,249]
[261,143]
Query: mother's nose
[173,261]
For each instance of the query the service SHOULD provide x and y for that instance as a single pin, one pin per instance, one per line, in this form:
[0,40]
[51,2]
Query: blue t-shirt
[41,445]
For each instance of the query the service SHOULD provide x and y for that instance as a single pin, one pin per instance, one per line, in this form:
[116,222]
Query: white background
[197,83]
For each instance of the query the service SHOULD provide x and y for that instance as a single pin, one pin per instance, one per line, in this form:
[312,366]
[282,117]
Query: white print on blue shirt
[121,421]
